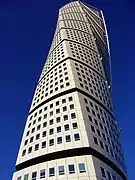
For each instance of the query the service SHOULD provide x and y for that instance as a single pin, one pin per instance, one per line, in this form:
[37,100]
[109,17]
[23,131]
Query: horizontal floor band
[70,153]
[71,91]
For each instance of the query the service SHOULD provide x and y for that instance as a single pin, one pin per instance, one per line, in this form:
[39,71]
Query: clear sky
[26,31]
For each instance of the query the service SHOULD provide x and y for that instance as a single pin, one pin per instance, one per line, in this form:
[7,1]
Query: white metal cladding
[72,104]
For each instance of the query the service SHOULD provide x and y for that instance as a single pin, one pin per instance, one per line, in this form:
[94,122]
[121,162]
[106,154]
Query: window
[44,134]
[44,144]
[51,142]
[44,124]
[71,106]
[61,170]
[59,140]
[34,175]
[64,108]
[57,111]
[68,138]
[103,172]
[25,143]
[66,127]
[73,115]
[51,131]
[27,133]
[71,169]
[95,140]
[36,147]
[30,150]
[70,99]
[51,172]
[51,121]
[65,117]
[58,129]
[109,176]
[19,178]
[33,129]
[93,129]
[75,126]
[57,103]
[82,168]
[58,119]
[24,152]
[26,176]
[101,144]
[38,127]
[37,136]
[63,101]
[42,173]
[77,137]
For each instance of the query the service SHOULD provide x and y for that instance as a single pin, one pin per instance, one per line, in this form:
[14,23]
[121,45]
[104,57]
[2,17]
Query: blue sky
[26,31]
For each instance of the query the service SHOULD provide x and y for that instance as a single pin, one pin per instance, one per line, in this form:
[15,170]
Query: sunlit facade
[71,131]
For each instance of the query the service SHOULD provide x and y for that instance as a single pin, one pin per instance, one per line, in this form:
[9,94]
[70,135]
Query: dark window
[44,124]
[66,127]
[109,176]
[44,134]
[36,147]
[51,131]
[95,140]
[44,144]
[51,121]
[24,152]
[75,126]
[70,99]
[73,115]
[58,119]
[42,173]
[93,129]
[51,142]
[30,150]
[71,169]
[37,136]
[68,138]
[65,117]
[59,140]
[103,172]
[51,172]
[34,175]
[71,106]
[77,137]
[58,129]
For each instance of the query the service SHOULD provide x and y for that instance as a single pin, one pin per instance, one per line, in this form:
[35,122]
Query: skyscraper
[71,131]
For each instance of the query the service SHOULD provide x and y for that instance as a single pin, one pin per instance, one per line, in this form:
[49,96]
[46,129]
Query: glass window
[66,127]
[19,178]
[36,147]
[71,169]
[26,176]
[30,150]
[59,140]
[73,115]
[51,142]
[61,170]
[42,173]
[44,134]
[109,176]
[70,98]
[68,138]
[44,144]
[82,168]
[58,129]
[71,106]
[65,117]
[77,137]
[34,175]
[24,152]
[75,126]
[51,131]
[51,171]
[103,172]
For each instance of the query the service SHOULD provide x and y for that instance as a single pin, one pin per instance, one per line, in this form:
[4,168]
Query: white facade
[71,131]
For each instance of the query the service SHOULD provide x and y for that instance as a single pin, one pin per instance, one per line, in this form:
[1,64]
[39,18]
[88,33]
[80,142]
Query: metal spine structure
[71,131]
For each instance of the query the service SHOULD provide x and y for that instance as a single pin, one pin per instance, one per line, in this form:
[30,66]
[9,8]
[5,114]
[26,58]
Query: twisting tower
[71,131]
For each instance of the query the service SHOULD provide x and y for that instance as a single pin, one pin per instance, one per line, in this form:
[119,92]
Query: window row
[51,143]
[52,172]
[51,132]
